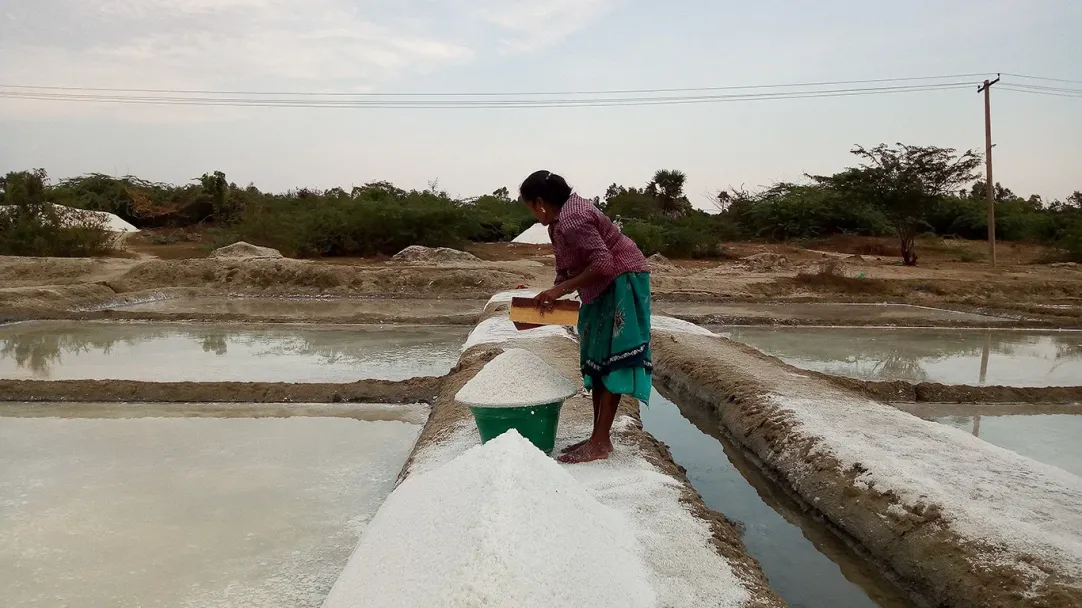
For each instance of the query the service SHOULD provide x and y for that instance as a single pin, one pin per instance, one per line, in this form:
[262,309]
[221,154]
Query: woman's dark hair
[547,186]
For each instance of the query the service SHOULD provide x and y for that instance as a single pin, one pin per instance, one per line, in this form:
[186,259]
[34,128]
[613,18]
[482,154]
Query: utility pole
[986,88]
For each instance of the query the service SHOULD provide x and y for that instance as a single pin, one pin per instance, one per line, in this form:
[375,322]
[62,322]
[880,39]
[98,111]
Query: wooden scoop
[526,315]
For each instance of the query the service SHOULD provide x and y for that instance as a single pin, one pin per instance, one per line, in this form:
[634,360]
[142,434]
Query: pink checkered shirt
[584,237]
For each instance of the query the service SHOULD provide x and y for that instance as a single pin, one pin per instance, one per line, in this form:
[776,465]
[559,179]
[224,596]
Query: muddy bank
[365,391]
[960,522]
[412,413]
[450,430]
[991,323]
[293,277]
[939,410]
[933,392]
[401,317]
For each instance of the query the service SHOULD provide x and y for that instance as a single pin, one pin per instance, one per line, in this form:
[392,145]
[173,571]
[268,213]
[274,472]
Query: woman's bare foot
[590,451]
[574,446]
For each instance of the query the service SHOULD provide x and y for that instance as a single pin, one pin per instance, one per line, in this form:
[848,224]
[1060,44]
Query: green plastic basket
[537,423]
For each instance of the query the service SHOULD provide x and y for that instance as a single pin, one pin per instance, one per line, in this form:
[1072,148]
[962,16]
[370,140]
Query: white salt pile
[72,217]
[516,378]
[500,526]
[534,235]
[677,326]
[495,330]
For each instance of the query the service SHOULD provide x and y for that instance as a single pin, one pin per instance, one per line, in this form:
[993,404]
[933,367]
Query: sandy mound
[297,277]
[765,262]
[419,254]
[660,262]
[837,268]
[534,235]
[244,251]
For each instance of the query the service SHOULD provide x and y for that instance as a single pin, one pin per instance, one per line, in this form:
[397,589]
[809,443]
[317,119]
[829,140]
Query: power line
[484,103]
[1015,89]
[490,93]
[1042,78]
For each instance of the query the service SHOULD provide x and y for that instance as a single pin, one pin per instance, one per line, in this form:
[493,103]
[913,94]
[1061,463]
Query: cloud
[532,25]
[265,45]
[208,45]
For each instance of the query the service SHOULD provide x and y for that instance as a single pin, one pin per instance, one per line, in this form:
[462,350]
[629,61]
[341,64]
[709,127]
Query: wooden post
[990,187]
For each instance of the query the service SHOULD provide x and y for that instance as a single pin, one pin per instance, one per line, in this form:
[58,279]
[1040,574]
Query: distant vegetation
[903,191]
[29,225]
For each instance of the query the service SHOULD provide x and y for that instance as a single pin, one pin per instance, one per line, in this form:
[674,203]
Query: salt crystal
[500,526]
[516,378]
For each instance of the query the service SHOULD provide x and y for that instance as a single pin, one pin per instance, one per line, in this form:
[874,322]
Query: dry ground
[951,273]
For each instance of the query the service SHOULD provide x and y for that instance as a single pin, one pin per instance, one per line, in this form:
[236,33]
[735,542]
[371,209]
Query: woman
[611,276]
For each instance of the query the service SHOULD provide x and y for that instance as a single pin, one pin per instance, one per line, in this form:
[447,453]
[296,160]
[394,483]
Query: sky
[516,46]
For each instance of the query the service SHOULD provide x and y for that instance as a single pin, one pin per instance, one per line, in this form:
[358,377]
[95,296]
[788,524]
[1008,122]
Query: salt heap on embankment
[502,525]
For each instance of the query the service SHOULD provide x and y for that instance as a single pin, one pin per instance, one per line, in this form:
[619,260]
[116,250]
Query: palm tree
[668,188]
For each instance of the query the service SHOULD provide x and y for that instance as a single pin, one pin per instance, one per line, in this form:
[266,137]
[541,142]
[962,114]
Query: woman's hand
[546,300]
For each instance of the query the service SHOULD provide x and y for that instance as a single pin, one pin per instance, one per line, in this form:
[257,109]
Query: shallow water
[307,308]
[1054,439]
[178,352]
[975,357]
[872,313]
[187,512]
[804,562]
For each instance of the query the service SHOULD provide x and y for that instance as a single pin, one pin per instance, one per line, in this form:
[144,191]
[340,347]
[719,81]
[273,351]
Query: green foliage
[792,211]
[30,225]
[904,183]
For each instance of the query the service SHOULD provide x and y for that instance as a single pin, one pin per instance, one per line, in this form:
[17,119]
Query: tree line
[904,191]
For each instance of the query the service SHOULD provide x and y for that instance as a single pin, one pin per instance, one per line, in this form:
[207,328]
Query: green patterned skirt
[614,337]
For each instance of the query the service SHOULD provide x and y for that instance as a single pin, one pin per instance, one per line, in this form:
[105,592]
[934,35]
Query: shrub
[31,226]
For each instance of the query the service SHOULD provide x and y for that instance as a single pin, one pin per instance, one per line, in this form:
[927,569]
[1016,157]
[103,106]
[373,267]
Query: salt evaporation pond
[197,512]
[1054,439]
[307,308]
[178,352]
[855,312]
[803,561]
[977,357]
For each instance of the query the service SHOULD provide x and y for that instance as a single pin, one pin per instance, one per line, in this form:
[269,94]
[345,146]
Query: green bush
[29,225]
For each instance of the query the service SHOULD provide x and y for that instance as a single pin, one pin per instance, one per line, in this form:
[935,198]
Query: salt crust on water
[1014,506]
[500,329]
[516,378]
[682,565]
[501,526]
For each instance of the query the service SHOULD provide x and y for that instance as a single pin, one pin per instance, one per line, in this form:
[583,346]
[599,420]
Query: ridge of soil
[414,390]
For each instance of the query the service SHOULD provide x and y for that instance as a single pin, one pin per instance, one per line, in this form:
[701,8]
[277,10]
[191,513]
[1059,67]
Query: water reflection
[185,352]
[1054,439]
[949,356]
[803,560]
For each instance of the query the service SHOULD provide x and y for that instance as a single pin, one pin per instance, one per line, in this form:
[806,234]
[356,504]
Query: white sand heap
[501,526]
[244,251]
[516,378]
[417,253]
[70,216]
[534,235]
